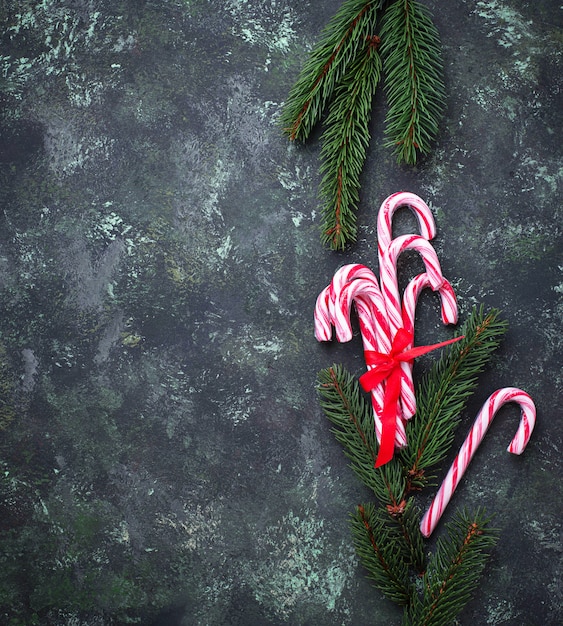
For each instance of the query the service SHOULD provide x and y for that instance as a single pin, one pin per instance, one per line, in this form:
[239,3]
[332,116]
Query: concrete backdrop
[164,457]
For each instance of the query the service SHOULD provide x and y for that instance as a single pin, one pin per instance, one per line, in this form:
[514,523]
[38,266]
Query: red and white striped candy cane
[356,284]
[341,306]
[324,307]
[390,290]
[370,307]
[448,301]
[448,306]
[322,317]
[370,331]
[349,272]
[364,292]
[389,207]
[388,273]
[471,443]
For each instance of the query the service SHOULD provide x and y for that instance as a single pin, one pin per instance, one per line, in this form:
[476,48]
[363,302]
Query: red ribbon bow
[388,367]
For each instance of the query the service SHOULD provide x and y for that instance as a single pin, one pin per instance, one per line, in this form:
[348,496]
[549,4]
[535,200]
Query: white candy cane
[389,207]
[471,443]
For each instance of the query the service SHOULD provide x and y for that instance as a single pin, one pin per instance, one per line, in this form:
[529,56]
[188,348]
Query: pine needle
[412,63]
[345,142]
[376,543]
[454,571]
[345,67]
[352,416]
[338,45]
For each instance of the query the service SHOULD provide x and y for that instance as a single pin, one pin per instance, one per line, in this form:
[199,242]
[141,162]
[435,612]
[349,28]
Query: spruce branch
[345,142]
[352,416]
[377,545]
[454,571]
[338,45]
[443,392]
[405,520]
[414,85]
[345,66]
[409,523]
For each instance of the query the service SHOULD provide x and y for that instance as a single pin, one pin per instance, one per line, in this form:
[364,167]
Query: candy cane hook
[471,443]
[388,273]
[325,313]
[389,207]
[448,301]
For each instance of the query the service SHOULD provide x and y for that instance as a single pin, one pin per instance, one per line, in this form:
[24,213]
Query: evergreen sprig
[441,396]
[454,570]
[338,45]
[386,534]
[410,47]
[345,66]
[378,545]
[352,416]
[345,143]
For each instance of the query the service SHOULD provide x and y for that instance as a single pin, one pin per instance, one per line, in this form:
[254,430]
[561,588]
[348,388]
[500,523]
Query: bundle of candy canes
[386,324]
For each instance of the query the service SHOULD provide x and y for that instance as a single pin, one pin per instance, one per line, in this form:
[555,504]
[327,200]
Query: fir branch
[377,545]
[338,45]
[453,572]
[352,415]
[345,142]
[443,392]
[414,85]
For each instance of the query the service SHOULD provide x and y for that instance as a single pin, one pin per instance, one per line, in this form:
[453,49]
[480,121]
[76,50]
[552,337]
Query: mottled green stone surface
[163,455]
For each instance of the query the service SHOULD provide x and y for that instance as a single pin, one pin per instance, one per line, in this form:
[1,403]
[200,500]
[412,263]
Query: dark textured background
[163,453]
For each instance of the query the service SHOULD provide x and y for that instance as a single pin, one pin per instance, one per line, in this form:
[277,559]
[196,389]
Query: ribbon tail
[389,418]
[409,355]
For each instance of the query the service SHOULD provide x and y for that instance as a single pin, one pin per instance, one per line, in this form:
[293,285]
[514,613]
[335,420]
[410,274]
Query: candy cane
[472,441]
[363,291]
[412,291]
[389,207]
[367,292]
[388,273]
[348,273]
[371,330]
[322,317]
[390,290]
[343,277]
[324,306]
[370,306]
[356,284]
